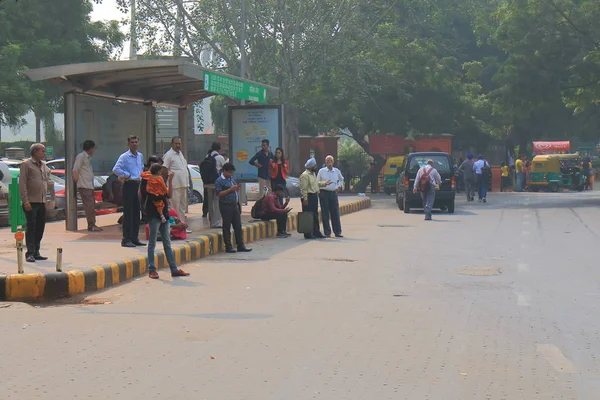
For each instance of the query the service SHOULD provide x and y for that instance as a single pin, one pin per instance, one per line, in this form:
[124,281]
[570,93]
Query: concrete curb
[40,287]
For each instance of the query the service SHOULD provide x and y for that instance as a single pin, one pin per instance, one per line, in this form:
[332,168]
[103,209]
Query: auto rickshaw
[556,171]
[390,173]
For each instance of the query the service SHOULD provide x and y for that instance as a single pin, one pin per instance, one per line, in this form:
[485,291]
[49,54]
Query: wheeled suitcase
[305,223]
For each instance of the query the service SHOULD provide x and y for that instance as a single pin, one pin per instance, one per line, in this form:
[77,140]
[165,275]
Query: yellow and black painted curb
[48,286]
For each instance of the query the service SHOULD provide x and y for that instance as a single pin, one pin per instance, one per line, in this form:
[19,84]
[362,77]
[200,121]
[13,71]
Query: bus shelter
[108,101]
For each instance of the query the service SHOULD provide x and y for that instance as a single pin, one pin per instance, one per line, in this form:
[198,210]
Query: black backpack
[257,209]
[208,170]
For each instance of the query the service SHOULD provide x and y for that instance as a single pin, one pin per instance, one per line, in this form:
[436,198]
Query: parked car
[292,189]
[14,167]
[444,197]
[59,163]
[60,193]
[197,186]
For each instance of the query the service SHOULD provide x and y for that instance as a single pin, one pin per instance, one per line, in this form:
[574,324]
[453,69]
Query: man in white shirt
[177,164]
[427,193]
[481,169]
[328,195]
[83,175]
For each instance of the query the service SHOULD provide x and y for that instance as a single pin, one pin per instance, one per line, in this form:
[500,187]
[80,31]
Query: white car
[197,186]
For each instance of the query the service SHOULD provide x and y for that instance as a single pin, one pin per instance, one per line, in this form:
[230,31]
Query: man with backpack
[482,173]
[210,170]
[426,182]
[269,208]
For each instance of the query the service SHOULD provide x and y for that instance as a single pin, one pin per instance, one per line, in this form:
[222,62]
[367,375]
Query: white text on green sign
[235,88]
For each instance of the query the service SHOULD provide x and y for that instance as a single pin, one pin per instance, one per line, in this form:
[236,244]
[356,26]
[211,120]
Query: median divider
[49,286]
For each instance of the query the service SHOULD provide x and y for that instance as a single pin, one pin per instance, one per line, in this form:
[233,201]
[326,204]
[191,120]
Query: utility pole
[132,32]
[178,19]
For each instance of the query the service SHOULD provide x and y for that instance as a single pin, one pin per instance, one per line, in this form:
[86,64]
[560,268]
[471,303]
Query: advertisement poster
[248,127]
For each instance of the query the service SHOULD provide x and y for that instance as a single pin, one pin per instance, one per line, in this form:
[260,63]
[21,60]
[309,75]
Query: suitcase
[305,223]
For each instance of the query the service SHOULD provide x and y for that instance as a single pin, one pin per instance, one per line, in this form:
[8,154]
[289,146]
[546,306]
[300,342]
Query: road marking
[523,300]
[525,222]
[525,233]
[527,215]
[522,267]
[556,358]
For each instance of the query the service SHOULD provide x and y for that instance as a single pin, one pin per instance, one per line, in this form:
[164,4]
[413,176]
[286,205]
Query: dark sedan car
[444,197]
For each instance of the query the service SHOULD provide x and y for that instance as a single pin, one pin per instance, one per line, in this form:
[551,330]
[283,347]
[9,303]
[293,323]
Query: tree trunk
[292,139]
[38,127]
[373,171]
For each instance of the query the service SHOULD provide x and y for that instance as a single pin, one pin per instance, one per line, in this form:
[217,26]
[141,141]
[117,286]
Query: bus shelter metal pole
[70,153]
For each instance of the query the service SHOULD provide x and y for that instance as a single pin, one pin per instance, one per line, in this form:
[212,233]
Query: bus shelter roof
[174,83]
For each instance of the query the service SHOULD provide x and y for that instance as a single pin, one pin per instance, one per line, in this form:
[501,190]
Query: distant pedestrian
[328,196]
[83,175]
[520,171]
[262,161]
[156,194]
[586,168]
[505,184]
[309,189]
[482,171]
[34,177]
[210,170]
[468,176]
[426,181]
[129,168]
[274,210]
[227,189]
[176,163]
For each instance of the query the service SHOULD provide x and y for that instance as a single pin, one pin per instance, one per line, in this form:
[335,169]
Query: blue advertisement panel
[249,126]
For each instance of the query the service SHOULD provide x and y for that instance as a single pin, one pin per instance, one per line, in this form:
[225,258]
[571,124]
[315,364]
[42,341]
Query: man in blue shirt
[129,168]
[227,190]
[262,160]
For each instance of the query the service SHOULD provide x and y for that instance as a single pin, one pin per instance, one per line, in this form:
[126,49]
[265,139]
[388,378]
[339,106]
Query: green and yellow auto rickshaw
[556,171]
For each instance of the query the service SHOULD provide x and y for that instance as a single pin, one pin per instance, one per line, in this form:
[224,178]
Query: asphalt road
[498,301]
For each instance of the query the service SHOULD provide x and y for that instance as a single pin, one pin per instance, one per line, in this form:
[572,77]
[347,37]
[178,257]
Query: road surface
[498,301]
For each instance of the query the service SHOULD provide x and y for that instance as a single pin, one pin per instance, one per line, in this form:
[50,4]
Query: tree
[52,33]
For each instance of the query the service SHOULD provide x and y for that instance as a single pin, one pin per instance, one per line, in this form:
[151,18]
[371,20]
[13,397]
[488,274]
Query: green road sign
[234,88]
[49,152]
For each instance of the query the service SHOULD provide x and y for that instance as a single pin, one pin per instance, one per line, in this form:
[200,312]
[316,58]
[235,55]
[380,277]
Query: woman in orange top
[279,169]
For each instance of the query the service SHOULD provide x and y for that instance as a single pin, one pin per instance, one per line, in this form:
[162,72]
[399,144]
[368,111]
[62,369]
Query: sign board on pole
[248,126]
[49,152]
[227,86]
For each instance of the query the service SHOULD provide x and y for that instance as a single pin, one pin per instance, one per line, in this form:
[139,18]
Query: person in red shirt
[273,209]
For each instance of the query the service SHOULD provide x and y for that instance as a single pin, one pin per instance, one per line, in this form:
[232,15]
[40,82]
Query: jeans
[230,213]
[520,181]
[470,188]
[313,207]
[131,212]
[36,223]
[165,232]
[481,187]
[330,207]
[428,200]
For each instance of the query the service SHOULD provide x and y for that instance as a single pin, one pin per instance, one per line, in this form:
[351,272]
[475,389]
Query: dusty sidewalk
[82,249]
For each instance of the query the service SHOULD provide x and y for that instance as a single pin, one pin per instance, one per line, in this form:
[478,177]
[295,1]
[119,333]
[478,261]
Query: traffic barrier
[16,214]
[41,287]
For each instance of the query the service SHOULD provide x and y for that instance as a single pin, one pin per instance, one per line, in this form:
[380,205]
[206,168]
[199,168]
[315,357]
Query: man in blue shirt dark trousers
[129,168]
[262,160]
[227,190]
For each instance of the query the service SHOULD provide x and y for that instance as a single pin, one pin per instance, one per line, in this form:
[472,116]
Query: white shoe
[188,231]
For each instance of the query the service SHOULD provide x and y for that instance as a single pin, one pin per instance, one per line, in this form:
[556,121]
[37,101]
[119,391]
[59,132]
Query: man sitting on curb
[272,209]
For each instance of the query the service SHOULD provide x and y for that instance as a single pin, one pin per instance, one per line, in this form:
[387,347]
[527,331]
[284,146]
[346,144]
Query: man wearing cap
[469,176]
[428,197]
[309,188]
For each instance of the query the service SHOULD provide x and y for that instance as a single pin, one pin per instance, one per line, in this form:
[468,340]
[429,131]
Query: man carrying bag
[309,188]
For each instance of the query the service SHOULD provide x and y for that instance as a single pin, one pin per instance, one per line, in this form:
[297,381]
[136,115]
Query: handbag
[305,223]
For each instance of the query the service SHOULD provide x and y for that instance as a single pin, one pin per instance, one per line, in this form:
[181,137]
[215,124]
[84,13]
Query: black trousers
[281,219]
[205,202]
[330,208]
[36,223]
[131,211]
[230,213]
[313,207]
